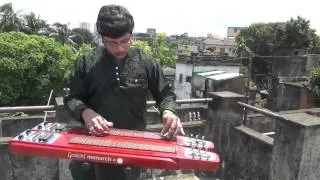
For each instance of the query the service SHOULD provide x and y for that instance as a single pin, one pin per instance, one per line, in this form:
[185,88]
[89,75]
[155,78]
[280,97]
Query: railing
[26,108]
[52,107]
[186,101]
[262,111]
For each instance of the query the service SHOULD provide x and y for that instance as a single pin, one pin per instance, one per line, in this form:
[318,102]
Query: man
[108,88]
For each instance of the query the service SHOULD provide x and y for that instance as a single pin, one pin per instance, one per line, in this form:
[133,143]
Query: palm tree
[81,36]
[62,34]
[35,25]
[10,20]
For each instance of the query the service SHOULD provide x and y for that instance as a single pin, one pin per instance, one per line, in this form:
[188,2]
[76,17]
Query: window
[222,50]
[235,30]
[188,79]
[180,78]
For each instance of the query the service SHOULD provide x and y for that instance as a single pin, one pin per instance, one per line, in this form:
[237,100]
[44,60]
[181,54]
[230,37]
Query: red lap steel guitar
[117,146]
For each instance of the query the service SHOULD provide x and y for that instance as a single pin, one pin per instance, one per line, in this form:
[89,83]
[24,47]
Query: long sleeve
[161,89]
[74,101]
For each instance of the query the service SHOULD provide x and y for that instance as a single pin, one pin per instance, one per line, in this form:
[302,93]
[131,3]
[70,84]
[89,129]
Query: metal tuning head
[202,140]
[197,138]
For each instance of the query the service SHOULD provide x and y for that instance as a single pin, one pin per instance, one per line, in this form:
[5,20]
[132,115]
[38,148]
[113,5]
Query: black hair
[114,21]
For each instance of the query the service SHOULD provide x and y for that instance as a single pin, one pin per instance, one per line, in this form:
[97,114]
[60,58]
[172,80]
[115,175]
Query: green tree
[299,35]
[315,82]
[10,20]
[161,51]
[35,25]
[81,36]
[261,38]
[143,45]
[62,34]
[274,38]
[30,66]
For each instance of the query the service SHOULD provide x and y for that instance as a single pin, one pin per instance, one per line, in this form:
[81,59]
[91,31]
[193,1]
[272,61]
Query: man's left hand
[172,125]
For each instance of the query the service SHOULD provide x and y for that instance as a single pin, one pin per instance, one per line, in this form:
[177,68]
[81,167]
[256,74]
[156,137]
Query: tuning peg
[202,141]
[207,153]
[193,154]
[192,150]
[199,148]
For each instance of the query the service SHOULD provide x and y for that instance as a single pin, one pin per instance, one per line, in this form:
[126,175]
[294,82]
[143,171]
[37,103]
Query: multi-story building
[186,50]
[224,46]
[148,36]
[233,31]
[85,25]
[152,32]
[185,71]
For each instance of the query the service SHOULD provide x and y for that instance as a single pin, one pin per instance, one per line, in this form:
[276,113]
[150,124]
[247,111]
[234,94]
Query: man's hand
[95,123]
[172,125]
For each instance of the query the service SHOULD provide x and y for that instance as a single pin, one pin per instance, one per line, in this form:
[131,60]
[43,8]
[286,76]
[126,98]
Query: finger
[166,126]
[88,123]
[92,130]
[172,128]
[96,124]
[103,123]
[109,124]
[179,129]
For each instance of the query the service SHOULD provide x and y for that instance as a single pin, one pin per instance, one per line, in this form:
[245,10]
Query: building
[187,50]
[217,80]
[152,32]
[233,31]
[148,36]
[224,46]
[85,25]
[185,71]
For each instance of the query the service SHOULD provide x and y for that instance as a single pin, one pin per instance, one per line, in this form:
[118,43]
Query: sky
[195,17]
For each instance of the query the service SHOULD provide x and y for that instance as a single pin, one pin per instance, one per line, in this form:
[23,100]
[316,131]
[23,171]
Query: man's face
[118,47]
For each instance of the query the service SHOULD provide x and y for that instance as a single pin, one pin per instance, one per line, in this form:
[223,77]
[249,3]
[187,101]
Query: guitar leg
[97,172]
[128,172]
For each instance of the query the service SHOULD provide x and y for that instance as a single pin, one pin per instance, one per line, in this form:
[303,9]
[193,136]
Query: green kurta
[118,91]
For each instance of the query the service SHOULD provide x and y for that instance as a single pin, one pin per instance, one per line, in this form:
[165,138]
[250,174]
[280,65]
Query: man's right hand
[94,122]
